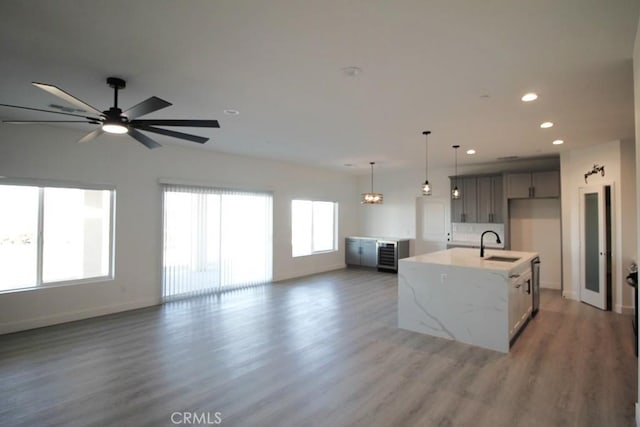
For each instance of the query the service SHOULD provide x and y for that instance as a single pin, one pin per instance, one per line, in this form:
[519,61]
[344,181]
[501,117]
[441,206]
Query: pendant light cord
[372,163]
[426,154]
[456,164]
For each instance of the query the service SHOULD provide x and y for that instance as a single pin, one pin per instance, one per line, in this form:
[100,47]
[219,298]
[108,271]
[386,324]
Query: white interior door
[593,252]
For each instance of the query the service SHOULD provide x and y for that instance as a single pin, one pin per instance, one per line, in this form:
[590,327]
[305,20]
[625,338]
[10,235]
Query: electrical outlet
[443,278]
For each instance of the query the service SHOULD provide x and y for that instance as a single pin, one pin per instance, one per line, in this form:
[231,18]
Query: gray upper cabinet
[546,184]
[490,195]
[527,185]
[481,199]
[465,209]
[519,185]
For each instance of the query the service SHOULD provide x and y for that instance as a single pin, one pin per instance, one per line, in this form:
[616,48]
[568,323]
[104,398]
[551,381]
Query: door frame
[601,300]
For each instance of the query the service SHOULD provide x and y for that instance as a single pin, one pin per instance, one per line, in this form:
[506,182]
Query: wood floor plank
[316,351]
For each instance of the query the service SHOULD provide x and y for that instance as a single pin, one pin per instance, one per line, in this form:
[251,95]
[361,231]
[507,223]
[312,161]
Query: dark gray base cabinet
[361,252]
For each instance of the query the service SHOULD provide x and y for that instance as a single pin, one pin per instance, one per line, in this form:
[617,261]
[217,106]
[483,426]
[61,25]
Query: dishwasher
[535,285]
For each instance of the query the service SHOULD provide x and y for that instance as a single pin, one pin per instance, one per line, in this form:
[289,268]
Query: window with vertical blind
[54,233]
[215,239]
[313,227]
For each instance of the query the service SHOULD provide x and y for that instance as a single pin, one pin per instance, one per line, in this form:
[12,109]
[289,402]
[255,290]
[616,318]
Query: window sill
[65,283]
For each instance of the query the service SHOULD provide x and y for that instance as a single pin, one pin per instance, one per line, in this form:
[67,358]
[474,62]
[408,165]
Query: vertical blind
[215,239]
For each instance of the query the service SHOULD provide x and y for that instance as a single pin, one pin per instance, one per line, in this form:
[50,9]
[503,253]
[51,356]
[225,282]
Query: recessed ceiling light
[351,71]
[471,151]
[558,142]
[546,125]
[528,97]
[231,112]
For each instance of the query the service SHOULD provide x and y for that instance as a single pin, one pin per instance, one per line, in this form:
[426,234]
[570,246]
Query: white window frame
[335,228]
[41,184]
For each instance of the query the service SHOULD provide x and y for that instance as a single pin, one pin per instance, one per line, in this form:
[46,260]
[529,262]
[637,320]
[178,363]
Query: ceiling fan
[116,121]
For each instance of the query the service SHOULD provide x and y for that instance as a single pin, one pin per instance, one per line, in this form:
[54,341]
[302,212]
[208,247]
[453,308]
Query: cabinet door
[368,253]
[470,199]
[498,203]
[456,205]
[546,184]
[518,185]
[352,251]
[514,308]
[485,199]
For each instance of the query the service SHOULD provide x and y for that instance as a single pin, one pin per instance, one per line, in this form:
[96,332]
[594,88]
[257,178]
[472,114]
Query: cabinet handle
[513,276]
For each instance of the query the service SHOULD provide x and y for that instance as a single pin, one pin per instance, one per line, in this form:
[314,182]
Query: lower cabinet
[520,302]
[362,252]
[382,253]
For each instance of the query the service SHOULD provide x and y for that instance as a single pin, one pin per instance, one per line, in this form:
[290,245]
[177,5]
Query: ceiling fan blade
[145,107]
[48,111]
[143,139]
[186,123]
[26,122]
[167,132]
[91,135]
[56,91]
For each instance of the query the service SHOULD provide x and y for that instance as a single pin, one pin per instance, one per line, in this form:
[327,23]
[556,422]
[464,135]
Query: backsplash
[471,232]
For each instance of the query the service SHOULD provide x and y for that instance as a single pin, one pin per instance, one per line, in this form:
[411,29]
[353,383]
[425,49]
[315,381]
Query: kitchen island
[458,295]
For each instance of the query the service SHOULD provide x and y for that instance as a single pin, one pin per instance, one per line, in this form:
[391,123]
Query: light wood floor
[318,351]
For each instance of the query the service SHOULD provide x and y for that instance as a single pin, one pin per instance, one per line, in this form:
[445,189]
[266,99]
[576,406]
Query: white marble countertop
[470,258]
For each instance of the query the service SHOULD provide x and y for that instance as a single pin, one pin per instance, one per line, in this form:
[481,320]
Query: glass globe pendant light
[426,187]
[455,193]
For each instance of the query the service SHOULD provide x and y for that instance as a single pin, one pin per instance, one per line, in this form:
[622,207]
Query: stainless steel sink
[501,258]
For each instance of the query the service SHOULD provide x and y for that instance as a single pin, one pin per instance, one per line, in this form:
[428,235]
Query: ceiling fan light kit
[115,128]
[115,121]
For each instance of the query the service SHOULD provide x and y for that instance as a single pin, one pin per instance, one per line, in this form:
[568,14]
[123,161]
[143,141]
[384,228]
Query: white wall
[52,153]
[620,173]
[535,226]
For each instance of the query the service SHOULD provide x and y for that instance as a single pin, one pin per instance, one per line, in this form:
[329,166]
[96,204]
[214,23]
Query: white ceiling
[455,67]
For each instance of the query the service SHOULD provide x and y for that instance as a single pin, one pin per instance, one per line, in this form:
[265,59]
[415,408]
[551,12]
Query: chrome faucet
[482,241]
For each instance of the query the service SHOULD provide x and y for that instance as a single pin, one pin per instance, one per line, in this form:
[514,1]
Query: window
[50,235]
[313,227]
[215,239]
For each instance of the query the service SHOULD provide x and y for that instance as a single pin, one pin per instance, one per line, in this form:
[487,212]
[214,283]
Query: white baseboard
[550,285]
[39,322]
[637,414]
[623,309]
[309,272]
[574,295]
